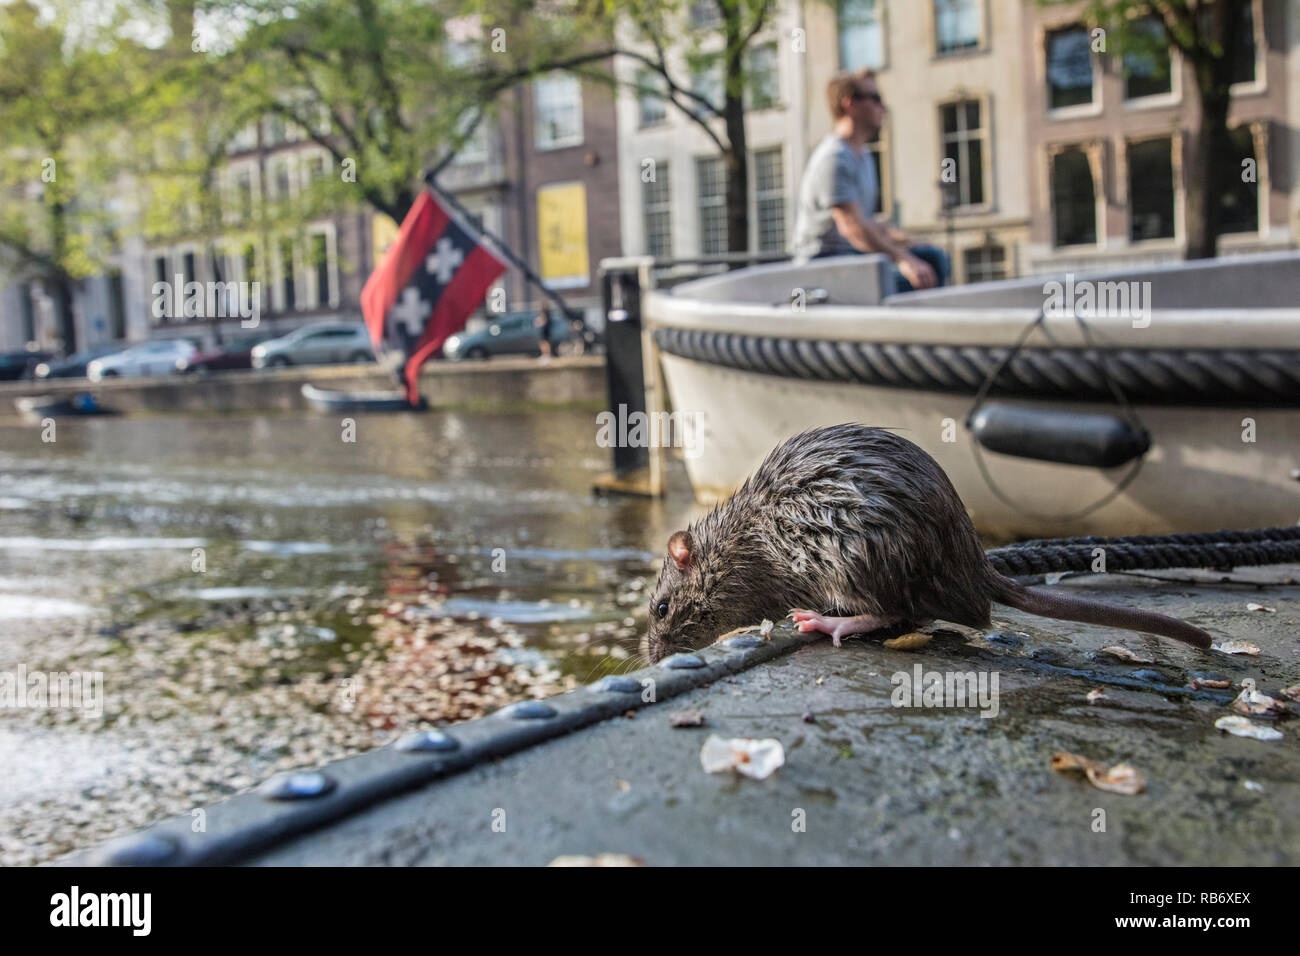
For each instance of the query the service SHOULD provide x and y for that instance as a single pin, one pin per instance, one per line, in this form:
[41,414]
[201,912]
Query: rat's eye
[662,609]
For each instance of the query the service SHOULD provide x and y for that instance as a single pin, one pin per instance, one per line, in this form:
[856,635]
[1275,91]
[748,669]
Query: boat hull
[1200,475]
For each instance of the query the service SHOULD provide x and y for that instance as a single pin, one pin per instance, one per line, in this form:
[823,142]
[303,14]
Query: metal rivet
[614,684]
[682,662]
[141,849]
[742,641]
[424,741]
[302,785]
[527,710]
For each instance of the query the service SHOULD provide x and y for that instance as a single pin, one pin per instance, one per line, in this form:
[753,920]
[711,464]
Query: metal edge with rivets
[295,803]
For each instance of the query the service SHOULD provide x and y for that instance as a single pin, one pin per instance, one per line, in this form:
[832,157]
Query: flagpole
[505,250]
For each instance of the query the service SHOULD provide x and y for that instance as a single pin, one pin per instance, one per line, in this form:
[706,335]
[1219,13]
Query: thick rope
[1150,376]
[1220,550]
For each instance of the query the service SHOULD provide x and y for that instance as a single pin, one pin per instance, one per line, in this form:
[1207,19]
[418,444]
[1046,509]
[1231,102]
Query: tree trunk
[1209,168]
[737,156]
[61,292]
[1211,160]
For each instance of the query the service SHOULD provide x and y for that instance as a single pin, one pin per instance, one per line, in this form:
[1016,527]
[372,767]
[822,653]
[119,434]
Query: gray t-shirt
[836,173]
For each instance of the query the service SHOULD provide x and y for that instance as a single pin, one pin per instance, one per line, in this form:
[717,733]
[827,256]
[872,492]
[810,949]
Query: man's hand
[917,271]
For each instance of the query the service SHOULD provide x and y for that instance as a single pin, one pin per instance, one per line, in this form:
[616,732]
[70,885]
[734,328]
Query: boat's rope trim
[1153,376]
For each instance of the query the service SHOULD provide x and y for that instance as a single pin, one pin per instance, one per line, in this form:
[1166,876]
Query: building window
[769,199]
[650,98]
[313,169]
[711,183]
[475,148]
[1243,60]
[956,25]
[288,289]
[704,14]
[656,205]
[244,191]
[116,306]
[188,265]
[862,37]
[963,142]
[706,82]
[273,129]
[557,101]
[1151,190]
[985,263]
[1147,70]
[1074,199]
[1239,196]
[1069,67]
[764,88]
[160,269]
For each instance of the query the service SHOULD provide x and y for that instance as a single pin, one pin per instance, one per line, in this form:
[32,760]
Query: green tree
[1208,34]
[57,85]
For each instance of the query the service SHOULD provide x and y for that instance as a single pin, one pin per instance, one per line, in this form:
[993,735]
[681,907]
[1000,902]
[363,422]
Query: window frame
[1179,234]
[882,25]
[664,206]
[986,160]
[1096,104]
[546,143]
[759,196]
[981,44]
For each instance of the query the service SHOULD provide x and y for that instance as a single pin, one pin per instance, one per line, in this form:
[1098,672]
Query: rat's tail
[1070,608]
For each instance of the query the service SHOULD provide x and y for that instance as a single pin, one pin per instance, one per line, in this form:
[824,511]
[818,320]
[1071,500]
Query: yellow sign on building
[382,231]
[562,235]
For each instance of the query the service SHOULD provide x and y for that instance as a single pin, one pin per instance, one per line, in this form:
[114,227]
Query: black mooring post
[620,293]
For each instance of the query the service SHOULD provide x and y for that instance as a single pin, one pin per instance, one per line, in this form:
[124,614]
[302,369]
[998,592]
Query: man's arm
[870,236]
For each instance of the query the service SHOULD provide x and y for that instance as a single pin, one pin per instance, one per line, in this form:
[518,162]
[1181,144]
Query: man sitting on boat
[839,191]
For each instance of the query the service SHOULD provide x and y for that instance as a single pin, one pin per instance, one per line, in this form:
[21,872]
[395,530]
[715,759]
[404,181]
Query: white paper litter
[753,758]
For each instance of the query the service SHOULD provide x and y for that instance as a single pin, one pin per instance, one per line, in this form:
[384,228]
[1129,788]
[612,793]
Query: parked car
[514,333]
[317,344]
[74,365]
[237,353]
[16,365]
[158,357]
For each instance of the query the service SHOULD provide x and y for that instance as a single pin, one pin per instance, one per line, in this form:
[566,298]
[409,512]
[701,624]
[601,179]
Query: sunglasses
[873,97]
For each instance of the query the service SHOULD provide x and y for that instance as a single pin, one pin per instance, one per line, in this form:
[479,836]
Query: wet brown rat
[855,521]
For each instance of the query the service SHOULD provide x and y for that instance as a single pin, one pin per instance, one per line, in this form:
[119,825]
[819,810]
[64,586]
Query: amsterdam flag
[441,270]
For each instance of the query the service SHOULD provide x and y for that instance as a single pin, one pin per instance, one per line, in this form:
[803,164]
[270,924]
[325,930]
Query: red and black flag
[435,273]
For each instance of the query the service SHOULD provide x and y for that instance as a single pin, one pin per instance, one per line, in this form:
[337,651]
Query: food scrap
[909,642]
[1241,727]
[1237,647]
[1122,778]
[691,717]
[1260,607]
[1096,694]
[754,758]
[1218,683]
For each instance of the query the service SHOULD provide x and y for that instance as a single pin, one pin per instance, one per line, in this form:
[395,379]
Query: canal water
[259,593]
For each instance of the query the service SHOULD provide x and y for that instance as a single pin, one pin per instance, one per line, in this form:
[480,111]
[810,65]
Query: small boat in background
[37,407]
[369,401]
[1146,401]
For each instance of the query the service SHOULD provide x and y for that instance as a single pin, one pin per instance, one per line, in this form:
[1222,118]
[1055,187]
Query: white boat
[1159,400]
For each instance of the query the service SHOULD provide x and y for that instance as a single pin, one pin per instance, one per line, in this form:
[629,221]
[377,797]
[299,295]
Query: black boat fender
[1064,437]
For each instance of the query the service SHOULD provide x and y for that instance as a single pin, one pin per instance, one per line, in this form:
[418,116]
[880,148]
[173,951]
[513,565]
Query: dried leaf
[1124,654]
[692,717]
[1063,760]
[604,859]
[1122,778]
[1096,694]
[1237,647]
[754,758]
[1255,703]
[909,642]
[1241,727]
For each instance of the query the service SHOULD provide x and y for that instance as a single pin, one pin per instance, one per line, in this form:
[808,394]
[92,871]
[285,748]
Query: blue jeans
[936,257]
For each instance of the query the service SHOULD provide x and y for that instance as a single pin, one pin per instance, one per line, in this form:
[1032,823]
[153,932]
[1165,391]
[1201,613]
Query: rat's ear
[679,549]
